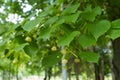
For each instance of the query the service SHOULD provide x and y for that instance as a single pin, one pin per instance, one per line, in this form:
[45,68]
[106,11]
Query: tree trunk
[77,70]
[102,68]
[97,76]
[45,78]
[116,58]
[110,61]
[99,70]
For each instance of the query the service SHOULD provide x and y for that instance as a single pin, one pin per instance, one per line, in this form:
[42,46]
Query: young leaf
[86,41]
[99,28]
[89,56]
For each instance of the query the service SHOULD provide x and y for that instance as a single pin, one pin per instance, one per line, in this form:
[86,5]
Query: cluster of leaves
[73,27]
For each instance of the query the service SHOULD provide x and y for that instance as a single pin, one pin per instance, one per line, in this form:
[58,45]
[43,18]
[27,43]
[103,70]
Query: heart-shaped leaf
[99,28]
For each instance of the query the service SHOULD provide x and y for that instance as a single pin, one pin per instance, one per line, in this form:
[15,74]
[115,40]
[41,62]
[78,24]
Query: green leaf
[51,59]
[99,28]
[29,25]
[115,23]
[20,47]
[97,10]
[114,34]
[24,58]
[66,40]
[67,29]
[59,22]
[71,18]
[20,39]
[45,33]
[31,49]
[90,14]
[51,20]
[49,10]
[86,41]
[3,45]
[4,63]
[89,56]
[46,30]
[2,30]
[71,9]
